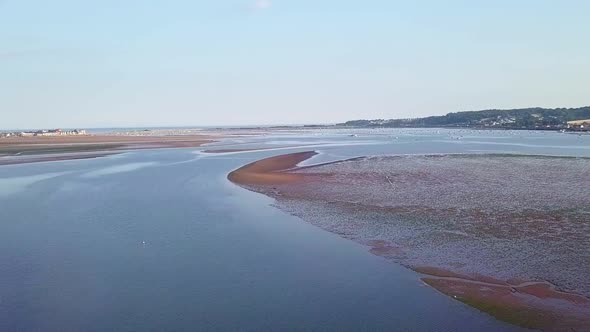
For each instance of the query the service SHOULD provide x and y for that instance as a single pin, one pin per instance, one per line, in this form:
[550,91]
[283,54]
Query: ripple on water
[12,185]
[129,167]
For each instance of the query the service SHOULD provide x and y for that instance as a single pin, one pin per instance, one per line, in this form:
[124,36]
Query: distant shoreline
[21,150]
[469,128]
[537,118]
[221,129]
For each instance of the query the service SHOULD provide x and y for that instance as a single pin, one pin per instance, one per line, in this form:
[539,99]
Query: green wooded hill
[524,118]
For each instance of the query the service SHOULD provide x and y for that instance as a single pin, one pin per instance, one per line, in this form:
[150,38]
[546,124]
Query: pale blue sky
[66,63]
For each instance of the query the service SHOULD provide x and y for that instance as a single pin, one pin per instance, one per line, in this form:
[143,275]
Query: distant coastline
[534,118]
[566,119]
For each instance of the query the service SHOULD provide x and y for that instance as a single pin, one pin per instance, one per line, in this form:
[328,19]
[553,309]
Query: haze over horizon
[245,62]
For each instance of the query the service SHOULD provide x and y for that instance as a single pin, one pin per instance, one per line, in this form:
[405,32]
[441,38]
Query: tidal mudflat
[507,234]
[24,150]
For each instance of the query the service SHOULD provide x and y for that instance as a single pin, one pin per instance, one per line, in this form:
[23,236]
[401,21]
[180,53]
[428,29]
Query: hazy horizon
[261,62]
[245,125]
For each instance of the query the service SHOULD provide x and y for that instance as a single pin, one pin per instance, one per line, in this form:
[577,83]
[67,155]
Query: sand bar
[15,150]
[271,171]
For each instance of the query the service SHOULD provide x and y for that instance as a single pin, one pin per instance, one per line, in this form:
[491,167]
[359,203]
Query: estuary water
[161,240]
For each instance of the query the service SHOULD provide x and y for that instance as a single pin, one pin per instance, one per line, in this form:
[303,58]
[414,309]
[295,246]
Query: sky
[112,63]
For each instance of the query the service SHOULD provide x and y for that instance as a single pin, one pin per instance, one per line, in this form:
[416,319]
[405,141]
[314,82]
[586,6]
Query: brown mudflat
[102,139]
[17,150]
[270,171]
[505,234]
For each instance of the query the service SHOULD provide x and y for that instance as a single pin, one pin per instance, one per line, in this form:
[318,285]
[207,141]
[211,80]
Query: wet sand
[271,171]
[530,304]
[102,139]
[481,226]
[19,150]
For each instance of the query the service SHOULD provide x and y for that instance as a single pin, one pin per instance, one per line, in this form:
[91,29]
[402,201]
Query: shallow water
[162,241]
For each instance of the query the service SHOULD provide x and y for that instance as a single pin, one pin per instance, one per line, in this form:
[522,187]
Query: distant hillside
[525,118]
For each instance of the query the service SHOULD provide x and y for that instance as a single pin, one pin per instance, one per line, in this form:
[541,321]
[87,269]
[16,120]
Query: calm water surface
[160,240]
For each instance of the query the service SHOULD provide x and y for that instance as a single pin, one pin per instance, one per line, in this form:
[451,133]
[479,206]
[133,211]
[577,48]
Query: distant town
[50,132]
[579,125]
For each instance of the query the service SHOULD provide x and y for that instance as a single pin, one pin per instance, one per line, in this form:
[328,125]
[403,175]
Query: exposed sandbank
[271,171]
[102,139]
[18,150]
[340,202]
